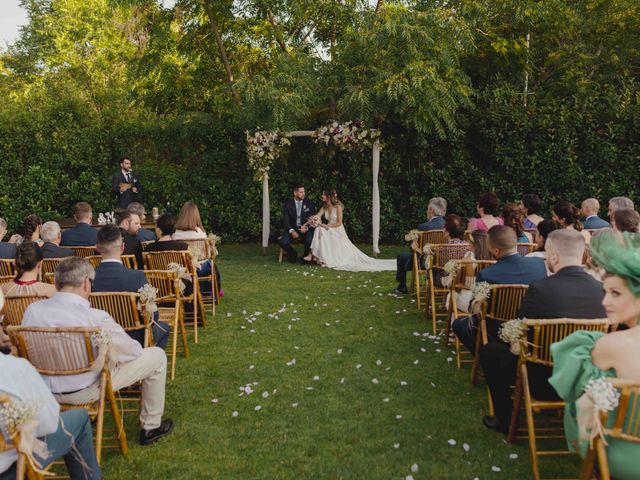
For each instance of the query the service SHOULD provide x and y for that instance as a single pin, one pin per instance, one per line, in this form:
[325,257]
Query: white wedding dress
[333,249]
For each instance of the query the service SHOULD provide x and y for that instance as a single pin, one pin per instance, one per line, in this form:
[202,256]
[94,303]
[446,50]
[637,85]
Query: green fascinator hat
[619,254]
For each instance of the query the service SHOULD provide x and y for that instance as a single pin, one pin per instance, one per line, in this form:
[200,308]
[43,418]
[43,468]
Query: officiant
[295,213]
[125,185]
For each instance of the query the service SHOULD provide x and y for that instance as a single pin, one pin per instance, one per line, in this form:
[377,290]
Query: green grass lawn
[327,355]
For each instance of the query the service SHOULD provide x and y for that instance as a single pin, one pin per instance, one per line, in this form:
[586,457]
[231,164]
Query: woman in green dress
[586,355]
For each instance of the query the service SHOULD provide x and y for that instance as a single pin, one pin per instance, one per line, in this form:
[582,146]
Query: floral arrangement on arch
[263,147]
[347,136]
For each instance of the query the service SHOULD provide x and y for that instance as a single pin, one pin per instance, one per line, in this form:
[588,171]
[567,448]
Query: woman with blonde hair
[583,355]
[189,225]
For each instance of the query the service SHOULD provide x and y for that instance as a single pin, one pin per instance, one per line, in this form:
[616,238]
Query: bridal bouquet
[313,221]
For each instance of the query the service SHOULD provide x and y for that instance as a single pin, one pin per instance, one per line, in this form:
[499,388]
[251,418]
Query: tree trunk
[221,50]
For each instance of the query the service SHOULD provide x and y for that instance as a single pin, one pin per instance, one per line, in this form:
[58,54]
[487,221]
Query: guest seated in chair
[7,249]
[112,276]
[486,207]
[436,210]
[619,203]
[129,224]
[570,293]
[189,227]
[592,221]
[530,206]
[66,435]
[28,272]
[144,235]
[510,268]
[568,216]
[30,230]
[512,217]
[625,220]
[82,234]
[51,236]
[130,362]
[545,227]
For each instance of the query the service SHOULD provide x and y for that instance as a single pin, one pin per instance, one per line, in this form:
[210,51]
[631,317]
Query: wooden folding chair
[533,232]
[49,265]
[50,278]
[14,308]
[7,267]
[170,310]
[419,281]
[69,351]
[130,261]
[161,260]
[85,252]
[202,251]
[526,248]
[623,424]
[146,243]
[6,278]
[537,351]
[437,294]
[11,441]
[503,305]
[123,308]
[464,280]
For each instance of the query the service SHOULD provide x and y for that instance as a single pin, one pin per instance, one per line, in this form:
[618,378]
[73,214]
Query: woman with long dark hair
[567,215]
[29,270]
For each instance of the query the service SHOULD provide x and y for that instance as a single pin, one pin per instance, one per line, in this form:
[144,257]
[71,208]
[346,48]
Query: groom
[295,214]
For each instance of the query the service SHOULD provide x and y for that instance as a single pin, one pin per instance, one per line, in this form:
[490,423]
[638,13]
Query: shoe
[494,424]
[147,437]
[400,290]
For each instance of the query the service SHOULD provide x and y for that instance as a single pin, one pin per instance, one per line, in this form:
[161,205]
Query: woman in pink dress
[486,207]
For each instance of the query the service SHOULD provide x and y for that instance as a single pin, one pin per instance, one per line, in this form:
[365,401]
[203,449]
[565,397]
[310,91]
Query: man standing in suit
[50,235]
[592,221]
[295,213]
[125,185]
[113,276]
[7,249]
[510,268]
[570,293]
[129,224]
[436,210]
[82,234]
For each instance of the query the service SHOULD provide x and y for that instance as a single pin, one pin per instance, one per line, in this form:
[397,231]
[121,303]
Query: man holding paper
[125,185]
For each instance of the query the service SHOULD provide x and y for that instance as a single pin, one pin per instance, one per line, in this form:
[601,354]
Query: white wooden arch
[375,197]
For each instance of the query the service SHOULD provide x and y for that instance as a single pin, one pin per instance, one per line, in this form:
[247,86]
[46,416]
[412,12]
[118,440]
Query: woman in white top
[29,269]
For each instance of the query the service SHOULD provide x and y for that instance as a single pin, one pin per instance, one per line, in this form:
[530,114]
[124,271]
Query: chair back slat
[49,265]
[7,267]
[165,281]
[94,260]
[50,278]
[449,251]
[200,248]
[6,278]
[160,260]
[543,333]
[432,237]
[130,261]
[122,306]
[85,252]
[14,308]
[468,272]
[55,351]
[626,423]
[526,248]
[504,302]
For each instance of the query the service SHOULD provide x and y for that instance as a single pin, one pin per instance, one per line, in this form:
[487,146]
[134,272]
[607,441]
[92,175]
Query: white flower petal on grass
[414,468]
[251,367]
[375,381]
[372,306]
[466,447]
[229,314]
[415,362]
[248,390]
[265,394]
[370,328]
[378,362]
[358,366]
[397,312]
[316,378]
[214,401]
[403,383]
[258,408]
[451,442]
[433,384]
[309,388]
[398,417]
[385,399]
[339,351]
[234,413]
[396,445]
[342,380]
[449,359]
[409,477]
[513,456]
[294,405]
[495,469]
[438,350]
[423,350]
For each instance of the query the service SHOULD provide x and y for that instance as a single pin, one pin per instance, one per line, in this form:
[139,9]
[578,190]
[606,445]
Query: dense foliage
[470,95]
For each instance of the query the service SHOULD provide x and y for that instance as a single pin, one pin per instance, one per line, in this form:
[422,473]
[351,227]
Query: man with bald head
[510,268]
[592,221]
[569,293]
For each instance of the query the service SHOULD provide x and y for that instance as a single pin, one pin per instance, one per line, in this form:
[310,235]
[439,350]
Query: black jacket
[51,250]
[289,213]
[125,198]
[81,235]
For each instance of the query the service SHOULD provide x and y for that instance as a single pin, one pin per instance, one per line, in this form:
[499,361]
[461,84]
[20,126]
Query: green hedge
[55,155]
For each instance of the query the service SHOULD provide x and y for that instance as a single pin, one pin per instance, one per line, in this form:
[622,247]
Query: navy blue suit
[289,220]
[403,261]
[7,250]
[145,235]
[595,222]
[128,196]
[513,269]
[115,277]
[81,235]
[51,250]
[570,293]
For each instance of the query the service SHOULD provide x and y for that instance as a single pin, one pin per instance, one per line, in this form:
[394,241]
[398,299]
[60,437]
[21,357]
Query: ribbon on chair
[480,292]
[102,342]
[182,275]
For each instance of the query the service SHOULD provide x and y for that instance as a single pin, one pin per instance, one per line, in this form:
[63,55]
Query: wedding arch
[264,147]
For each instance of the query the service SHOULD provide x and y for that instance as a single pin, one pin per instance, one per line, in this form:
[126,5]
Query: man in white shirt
[130,362]
[22,383]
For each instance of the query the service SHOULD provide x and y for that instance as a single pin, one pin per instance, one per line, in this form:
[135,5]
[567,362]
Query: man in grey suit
[7,249]
[51,235]
[436,210]
[592,221]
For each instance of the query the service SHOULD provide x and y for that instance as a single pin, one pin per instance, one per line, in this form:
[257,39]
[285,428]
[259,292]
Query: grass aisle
[346,383]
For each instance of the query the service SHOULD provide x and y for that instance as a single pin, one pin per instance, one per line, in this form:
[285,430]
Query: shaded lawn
[343,425]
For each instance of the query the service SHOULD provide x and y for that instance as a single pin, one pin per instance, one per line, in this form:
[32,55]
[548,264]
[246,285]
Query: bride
[331,246]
